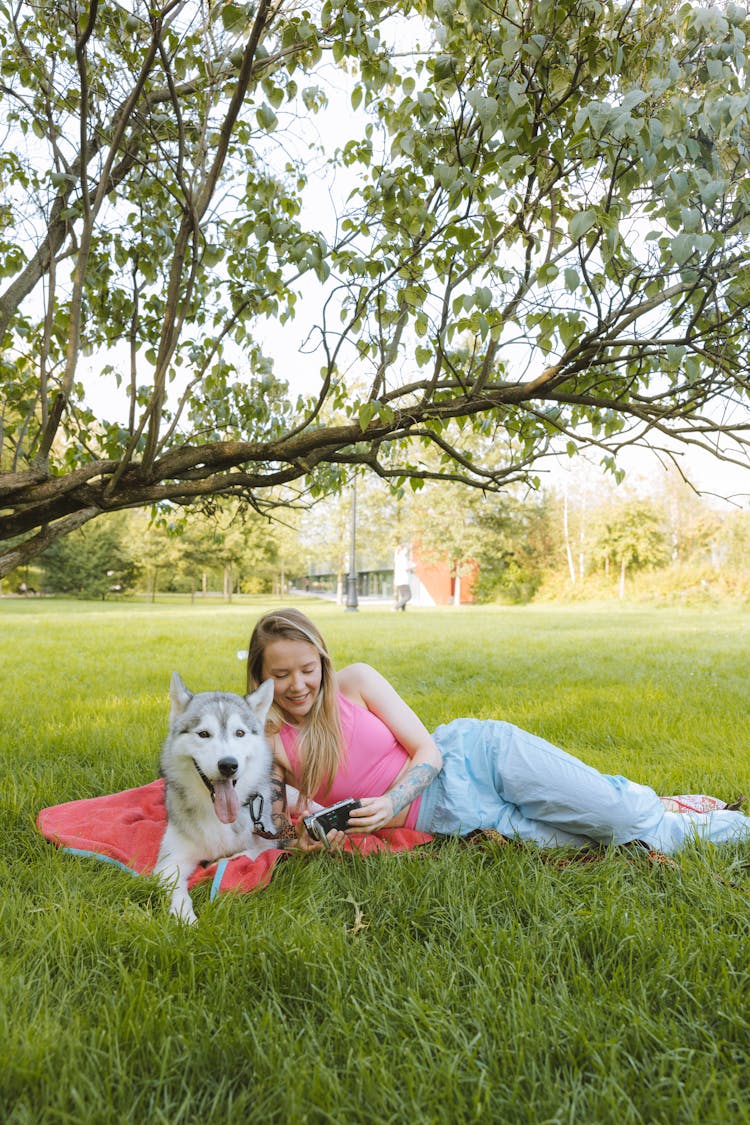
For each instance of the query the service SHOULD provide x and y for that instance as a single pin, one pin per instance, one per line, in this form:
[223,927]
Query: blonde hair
[320,743]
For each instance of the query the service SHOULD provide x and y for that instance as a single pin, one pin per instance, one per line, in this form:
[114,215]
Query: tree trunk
[566,535]
[582,539]
[623,567]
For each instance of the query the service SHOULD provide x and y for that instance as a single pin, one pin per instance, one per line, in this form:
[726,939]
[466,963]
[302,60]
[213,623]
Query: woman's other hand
[374,813]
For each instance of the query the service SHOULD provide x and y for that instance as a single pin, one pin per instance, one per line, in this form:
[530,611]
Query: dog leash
[285,833]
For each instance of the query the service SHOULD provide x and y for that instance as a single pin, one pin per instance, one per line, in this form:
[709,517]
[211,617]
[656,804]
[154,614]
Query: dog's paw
[182,908]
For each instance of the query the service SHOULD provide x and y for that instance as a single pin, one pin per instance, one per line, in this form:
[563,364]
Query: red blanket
[126,828]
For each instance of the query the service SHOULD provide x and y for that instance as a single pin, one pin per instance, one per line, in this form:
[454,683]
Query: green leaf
[633,98]
[599,115]
[366,413]
[655,132]
[572,280]
[446,174]
[682,246]
[581,223]
[547,273]
[406,142]
[427,103]
[484,107]
[444,68]
[266,118]
[233,16]
[212,254]
[712,191]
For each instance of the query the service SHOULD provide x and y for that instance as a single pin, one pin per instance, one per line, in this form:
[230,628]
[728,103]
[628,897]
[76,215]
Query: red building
[433,583]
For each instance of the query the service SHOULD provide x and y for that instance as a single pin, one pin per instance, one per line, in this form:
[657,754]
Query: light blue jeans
[497,776]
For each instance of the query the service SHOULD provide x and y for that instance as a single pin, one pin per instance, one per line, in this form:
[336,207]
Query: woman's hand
[307,843]
[378,812]
[373,813]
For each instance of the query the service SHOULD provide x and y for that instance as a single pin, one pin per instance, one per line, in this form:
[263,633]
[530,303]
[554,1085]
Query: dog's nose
[227,766]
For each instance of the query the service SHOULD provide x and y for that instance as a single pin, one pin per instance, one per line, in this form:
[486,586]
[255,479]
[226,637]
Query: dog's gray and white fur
[214,760]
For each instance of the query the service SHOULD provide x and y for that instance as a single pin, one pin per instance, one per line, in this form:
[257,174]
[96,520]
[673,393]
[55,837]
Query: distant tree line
[579,537]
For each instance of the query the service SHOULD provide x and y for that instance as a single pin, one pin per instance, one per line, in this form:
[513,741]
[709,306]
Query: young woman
[346,734]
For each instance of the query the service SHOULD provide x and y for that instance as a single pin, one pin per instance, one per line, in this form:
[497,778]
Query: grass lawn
[448,985]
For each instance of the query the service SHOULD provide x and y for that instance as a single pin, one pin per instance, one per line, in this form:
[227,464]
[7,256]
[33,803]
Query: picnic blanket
[126,829]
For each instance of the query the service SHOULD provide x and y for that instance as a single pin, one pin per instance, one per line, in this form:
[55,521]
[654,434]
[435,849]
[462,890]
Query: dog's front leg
[180,904]
[171,876]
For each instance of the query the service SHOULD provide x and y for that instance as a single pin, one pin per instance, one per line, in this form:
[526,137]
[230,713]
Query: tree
[521,545]
[693,526]
[542,239]
[242,544]
[157,550]
[632,536]
[289,559]
[92,562]
[731,546]
[325,531]
[226,544]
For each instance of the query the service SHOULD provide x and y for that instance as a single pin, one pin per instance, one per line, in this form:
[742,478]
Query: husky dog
[217,765]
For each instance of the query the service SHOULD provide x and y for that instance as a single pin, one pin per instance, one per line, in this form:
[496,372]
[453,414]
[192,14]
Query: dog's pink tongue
[226,805]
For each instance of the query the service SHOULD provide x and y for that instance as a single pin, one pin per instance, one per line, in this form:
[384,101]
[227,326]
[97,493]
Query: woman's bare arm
[363,684]
[284,833]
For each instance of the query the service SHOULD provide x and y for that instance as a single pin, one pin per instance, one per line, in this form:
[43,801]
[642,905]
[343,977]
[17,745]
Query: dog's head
[223,735]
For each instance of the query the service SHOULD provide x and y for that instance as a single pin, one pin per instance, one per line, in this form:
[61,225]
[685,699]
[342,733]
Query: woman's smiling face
[296,671]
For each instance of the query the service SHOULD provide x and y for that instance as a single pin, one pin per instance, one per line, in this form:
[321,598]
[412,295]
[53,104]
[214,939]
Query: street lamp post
[351,579]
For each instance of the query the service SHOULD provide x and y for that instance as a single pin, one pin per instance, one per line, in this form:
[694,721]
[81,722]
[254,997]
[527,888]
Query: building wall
[433,584]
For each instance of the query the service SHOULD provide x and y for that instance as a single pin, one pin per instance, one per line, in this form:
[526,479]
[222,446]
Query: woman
[349,734]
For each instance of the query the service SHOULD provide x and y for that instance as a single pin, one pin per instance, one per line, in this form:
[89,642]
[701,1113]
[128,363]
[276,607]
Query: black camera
[319,824]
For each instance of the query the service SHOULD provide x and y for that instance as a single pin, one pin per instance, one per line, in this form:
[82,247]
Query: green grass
[447,985]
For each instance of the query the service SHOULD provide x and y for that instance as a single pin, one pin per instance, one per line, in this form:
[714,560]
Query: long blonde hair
[320,741]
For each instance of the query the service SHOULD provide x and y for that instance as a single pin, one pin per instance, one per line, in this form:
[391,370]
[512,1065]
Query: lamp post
[351,579]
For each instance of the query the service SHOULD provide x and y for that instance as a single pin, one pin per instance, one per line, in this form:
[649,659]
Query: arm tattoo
[410,786]
[279,814]
[283,829]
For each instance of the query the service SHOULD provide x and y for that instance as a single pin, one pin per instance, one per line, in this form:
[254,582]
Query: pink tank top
[373,761]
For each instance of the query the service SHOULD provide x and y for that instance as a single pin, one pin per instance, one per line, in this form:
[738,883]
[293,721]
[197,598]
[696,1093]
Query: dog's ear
[178,694]
[261,699]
